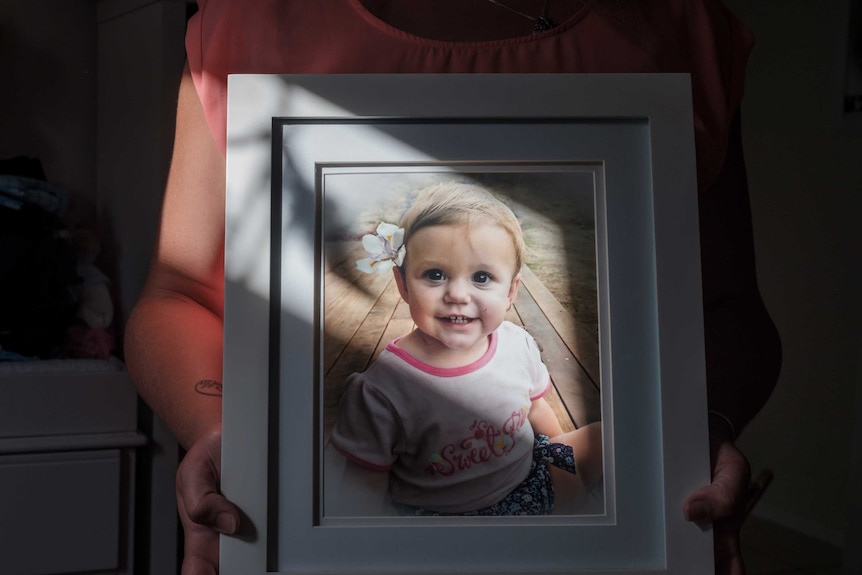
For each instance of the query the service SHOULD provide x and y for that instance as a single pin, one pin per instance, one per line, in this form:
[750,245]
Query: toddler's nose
[456,292]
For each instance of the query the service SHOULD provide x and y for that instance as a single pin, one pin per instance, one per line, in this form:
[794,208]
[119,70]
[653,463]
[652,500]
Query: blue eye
[481,277]
[435,275]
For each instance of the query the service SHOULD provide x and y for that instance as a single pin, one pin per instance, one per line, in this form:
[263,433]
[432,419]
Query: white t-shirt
[453,440]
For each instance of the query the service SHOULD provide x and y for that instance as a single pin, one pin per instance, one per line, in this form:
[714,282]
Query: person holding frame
[174,337]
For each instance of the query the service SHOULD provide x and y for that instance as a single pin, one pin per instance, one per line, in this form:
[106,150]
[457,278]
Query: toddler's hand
[203,510]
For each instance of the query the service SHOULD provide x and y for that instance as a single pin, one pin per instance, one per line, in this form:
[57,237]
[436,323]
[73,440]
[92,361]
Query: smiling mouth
[457,319]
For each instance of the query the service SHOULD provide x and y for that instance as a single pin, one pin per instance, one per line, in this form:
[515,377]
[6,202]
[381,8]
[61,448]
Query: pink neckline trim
[387,28]
[446,371]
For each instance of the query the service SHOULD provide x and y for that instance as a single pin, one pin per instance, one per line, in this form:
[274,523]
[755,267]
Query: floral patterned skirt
[535,495]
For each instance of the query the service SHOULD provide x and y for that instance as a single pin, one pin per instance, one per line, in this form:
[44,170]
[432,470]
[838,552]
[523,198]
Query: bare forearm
[174,354]
[174,337]
[543,419]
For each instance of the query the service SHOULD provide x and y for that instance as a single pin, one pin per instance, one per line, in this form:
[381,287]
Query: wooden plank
[400,325]
[349,296]
[341,286]
[576,389]
[552,397]
[512,316]
[340,274]
[359,350]
[582,344]
[559,409]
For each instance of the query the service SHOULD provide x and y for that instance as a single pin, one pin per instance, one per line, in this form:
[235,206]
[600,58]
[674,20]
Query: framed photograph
[598,171]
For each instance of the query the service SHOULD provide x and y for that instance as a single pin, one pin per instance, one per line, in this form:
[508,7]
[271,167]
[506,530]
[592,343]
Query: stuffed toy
[95,306]
[92,336]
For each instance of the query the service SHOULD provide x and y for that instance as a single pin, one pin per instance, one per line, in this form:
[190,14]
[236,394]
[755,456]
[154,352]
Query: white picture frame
[284,133]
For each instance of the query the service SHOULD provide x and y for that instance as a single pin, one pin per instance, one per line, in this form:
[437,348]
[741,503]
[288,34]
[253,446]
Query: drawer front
[57,404]
[59,513]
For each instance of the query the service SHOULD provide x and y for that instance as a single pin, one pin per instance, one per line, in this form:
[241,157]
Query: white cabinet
[61,512]
[68,446]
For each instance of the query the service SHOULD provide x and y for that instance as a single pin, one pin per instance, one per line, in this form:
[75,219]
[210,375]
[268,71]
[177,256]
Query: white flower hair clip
[386,248]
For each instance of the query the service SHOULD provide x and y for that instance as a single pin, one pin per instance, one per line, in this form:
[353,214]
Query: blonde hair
[453,203]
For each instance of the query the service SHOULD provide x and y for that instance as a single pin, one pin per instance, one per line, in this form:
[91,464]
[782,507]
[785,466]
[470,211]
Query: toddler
[455,411]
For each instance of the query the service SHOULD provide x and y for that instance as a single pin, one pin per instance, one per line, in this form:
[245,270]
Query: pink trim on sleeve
[542,393]
[360,461]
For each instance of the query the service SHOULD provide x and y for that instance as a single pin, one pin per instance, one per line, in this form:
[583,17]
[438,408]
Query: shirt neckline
[447,371]
[390,30]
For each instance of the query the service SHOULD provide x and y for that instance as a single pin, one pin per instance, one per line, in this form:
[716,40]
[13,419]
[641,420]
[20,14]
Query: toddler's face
[459,281]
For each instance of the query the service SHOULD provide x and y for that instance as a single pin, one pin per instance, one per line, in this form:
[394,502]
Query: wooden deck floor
[363,312]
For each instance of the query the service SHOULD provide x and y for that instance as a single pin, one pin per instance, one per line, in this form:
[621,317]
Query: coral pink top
[700,37]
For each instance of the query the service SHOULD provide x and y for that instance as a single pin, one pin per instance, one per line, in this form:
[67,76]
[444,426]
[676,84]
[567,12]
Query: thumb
[725,496]
[707,504]
[210,509]
[198,494]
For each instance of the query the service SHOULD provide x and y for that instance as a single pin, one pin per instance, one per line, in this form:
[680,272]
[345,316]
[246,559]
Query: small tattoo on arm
[208,387]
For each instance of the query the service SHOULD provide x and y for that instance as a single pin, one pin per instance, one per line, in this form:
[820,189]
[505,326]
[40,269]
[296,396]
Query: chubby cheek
[493,305]
[424,300]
